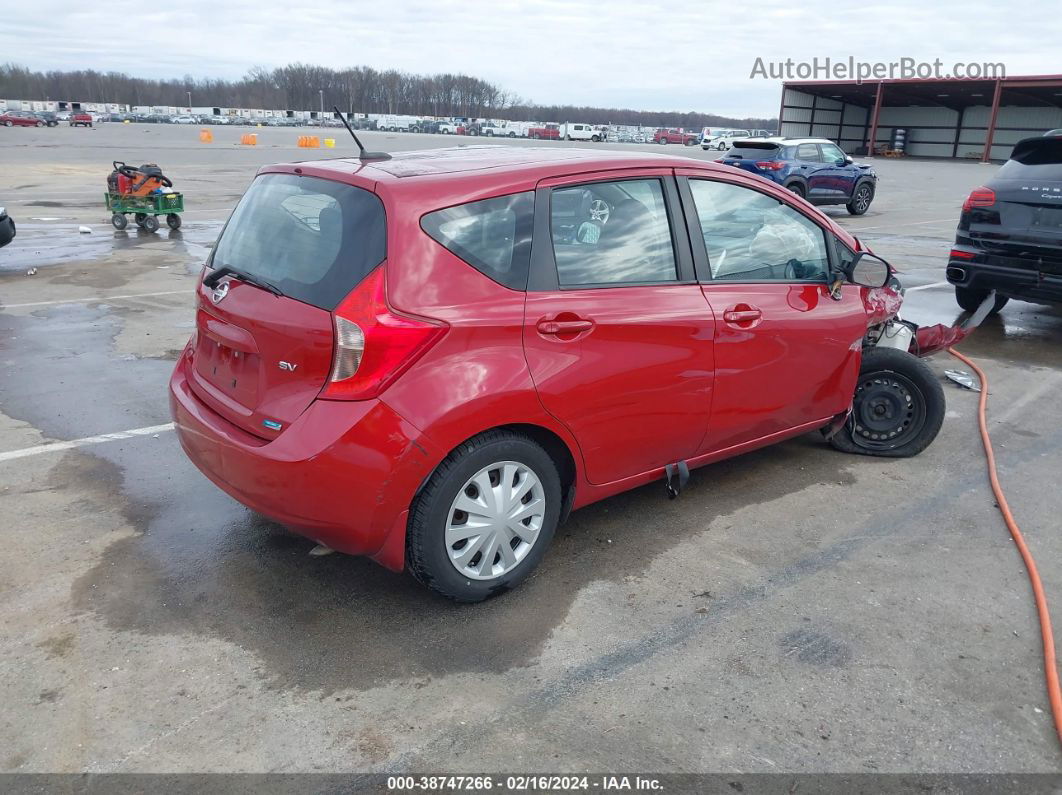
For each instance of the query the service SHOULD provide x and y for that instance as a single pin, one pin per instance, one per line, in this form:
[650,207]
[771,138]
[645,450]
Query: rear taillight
[770,165]
[979,197]
[957,254]
[373,345]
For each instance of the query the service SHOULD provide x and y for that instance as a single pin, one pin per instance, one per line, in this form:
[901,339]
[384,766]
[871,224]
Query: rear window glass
[1040,158]
[313,238]
[493,235]
[754,151]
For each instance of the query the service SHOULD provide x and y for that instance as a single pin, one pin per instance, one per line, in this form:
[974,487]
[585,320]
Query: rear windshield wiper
[212,280]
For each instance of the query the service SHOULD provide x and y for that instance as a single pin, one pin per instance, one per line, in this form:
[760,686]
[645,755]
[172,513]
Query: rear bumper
[343,474]
[1005,275]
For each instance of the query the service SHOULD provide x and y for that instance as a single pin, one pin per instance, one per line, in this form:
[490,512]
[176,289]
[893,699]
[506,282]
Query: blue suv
[813,168]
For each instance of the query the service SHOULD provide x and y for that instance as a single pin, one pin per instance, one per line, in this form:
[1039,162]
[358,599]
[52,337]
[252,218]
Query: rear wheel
[796,188]
[150,224]
[119,221]
[173,221]
[970,299]
[861,199]
[40,124]
[140,218]
[483,521]
[898,406]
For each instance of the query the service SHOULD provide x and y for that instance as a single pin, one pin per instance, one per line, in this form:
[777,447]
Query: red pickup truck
[547,131]
[81,120]
[672,136]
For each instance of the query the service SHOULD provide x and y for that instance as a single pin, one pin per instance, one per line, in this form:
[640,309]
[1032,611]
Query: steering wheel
[600,211]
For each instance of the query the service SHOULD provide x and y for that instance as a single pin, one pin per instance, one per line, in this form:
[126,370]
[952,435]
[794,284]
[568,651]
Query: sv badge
[288,366]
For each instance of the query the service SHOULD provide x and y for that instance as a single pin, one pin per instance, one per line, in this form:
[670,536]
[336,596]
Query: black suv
[1010,232]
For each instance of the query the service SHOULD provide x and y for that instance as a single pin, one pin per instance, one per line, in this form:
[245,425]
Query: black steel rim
[888,412]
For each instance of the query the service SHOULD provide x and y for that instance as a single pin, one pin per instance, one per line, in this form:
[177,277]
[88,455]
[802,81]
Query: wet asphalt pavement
[795,610]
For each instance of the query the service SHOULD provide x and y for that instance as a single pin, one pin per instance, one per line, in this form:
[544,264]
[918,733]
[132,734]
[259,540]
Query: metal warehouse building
[975,119]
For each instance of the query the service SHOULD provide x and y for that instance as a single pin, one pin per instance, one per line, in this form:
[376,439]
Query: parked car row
[25,118]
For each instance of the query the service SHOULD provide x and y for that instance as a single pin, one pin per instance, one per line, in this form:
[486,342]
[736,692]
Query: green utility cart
[145,209]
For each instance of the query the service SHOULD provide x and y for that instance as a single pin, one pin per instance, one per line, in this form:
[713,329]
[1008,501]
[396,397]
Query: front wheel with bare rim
[484,519]
[898,406]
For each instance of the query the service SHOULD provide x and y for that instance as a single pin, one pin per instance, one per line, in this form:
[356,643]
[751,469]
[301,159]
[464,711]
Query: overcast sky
[679,55]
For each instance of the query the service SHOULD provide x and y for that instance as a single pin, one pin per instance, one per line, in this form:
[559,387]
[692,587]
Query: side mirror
[868,270]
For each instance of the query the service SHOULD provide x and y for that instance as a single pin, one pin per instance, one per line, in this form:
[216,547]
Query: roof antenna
[364,155]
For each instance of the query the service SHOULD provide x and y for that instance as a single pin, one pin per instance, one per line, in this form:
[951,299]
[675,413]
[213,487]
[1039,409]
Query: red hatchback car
[16,118]
[432,359]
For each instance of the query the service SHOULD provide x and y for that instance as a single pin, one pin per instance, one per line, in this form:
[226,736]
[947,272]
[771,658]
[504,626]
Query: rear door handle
[564,326]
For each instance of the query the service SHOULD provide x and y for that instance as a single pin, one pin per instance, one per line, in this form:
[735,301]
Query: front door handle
[557,327]
[742,315]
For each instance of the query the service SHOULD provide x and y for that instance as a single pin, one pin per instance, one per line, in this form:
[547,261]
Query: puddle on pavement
[204,565]
[44,245]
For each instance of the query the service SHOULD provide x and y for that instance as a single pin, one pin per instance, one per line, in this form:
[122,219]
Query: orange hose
[1054,694]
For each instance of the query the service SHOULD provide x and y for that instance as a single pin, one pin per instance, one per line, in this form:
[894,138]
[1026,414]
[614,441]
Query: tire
[173,221]
[39,124]
[8,124]
[119,221]
[427,553]
[796,188]
[512,135]
[151,224]
[862,196]
[721,147]
[898,406]
[969,299]
[663,141]
[140,218]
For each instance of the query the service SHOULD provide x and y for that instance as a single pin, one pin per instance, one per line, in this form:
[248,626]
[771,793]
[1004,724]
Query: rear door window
[492,235]
[312,238]
[612,233]
[808,153]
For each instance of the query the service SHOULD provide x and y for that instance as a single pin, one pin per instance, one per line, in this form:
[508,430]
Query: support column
[987,156]
[958,132]
[874,118]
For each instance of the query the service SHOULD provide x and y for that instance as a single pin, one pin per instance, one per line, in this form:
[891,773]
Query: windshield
[314,239]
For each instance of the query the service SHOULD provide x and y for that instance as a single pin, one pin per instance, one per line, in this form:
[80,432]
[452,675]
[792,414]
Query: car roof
[473,161]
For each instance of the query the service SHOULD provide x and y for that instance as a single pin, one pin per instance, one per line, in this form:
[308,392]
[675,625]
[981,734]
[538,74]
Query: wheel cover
[862,198]
[495,520]
[888,411]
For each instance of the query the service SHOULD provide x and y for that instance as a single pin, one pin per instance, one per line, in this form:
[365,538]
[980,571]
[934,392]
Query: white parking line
[925,287]
[102,299]
[53,447]
[896,226]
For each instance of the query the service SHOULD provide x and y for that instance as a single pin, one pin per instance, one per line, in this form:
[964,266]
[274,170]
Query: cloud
[658,56]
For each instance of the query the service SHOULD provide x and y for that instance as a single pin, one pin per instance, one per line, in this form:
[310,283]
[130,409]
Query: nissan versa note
[432,359]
